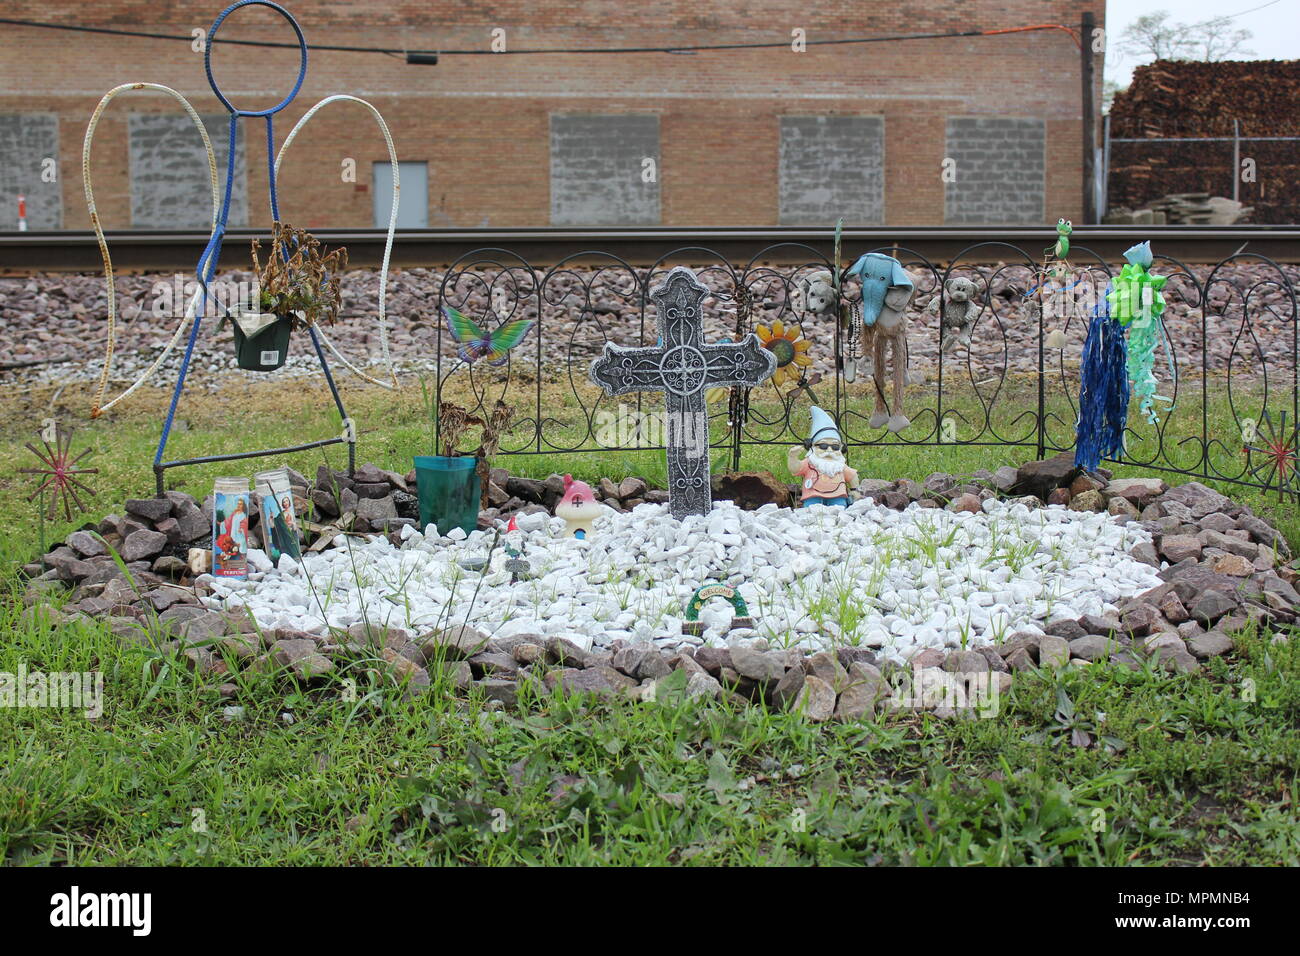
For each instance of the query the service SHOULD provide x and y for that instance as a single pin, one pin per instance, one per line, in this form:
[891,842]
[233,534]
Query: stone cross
[683,367]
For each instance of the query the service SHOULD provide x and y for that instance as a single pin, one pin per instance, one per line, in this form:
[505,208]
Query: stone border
[1225,568]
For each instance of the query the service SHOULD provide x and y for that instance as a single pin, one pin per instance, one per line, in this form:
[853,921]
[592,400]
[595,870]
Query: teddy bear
[817,293]
[959,308]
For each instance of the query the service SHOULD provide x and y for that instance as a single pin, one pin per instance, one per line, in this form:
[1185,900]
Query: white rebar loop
[100,406]
[388,244]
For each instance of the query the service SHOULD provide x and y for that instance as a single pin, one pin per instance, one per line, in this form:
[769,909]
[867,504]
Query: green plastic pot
[449,492]
[267,349]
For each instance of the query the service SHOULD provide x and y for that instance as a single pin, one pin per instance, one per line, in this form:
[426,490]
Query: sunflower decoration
[789,346]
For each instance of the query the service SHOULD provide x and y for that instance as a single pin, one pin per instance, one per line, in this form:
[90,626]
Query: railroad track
[149,251]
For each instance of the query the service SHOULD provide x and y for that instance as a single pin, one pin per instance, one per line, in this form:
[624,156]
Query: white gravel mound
[819,577]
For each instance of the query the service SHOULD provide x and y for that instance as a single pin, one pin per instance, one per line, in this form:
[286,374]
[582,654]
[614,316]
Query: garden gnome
[827,480]
[578,507]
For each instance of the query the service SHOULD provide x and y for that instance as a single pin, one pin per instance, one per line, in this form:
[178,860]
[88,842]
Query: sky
[1275,25]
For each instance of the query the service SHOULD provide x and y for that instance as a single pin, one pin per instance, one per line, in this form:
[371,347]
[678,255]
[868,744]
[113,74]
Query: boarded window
[1000,168]
[604,170]
[832,166]
[412,203]
[27,141]
[170,183]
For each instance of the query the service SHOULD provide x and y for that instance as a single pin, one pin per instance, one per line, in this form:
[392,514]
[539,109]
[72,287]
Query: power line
[717,47]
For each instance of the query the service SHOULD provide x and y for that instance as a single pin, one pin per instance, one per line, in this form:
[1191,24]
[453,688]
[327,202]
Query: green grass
[1205,775]
[1206,770]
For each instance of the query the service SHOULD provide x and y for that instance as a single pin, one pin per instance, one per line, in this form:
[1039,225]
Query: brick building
[736,137]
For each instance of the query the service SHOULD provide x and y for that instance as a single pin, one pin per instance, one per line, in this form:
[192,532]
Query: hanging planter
[298,286]
[261,339]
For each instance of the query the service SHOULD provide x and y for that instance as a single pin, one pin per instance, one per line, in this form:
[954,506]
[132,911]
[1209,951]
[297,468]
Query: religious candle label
[684,368]
[230,528]
[279,521]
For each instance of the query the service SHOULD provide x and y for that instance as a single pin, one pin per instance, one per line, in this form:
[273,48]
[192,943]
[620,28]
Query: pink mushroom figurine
[578,507]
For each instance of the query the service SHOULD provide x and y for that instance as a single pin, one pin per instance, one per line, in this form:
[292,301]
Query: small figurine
[886,292]
[1062,248]
[817,293]
[958,309]
[515,562]
[827,480]
[578,507]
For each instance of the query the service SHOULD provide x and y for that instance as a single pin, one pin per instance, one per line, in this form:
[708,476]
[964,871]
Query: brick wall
[484,123]
[998,170]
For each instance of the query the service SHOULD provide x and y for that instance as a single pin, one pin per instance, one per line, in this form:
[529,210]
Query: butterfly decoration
[476,344]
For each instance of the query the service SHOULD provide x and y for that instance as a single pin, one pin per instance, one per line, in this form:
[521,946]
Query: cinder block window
[1000,166]
[412,204]
[170,183]
[29,158]
[832,166]
[604,170]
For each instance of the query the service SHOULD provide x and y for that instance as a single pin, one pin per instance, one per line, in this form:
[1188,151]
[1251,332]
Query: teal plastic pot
[449,492]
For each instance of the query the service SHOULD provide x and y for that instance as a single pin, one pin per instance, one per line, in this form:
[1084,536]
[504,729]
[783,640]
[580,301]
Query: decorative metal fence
[1230,372]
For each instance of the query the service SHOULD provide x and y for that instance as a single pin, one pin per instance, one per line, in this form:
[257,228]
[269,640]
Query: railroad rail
[150,251]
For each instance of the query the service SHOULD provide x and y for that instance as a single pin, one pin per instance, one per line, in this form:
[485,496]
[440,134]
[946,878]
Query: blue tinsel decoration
[1103,390]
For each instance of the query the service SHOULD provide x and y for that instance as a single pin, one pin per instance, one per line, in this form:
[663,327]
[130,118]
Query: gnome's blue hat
[822,424]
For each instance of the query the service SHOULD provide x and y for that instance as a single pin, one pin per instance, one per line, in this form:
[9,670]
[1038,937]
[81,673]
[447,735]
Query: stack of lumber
[1199,209]
[1170,99]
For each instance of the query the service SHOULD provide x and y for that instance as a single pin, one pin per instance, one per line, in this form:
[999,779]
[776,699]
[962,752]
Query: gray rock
[1179,547]
[454,643]
[1212,605]
[1145,552]
[86,544]
[816,700]
[286,652]
[1093,647]
[325,503]
[1177,660]
[142,544]
[494,665]
[866,688]
[713,659]
[377,512]
[1138,491]
[191,525]
[1053,651]
[1098,624]
[788,687]
[505,691]
[526,652]
[562,651]
[1209,644]
[206,626]
[1065,628]
[602,681]
[758,665]
[151,509]
[700,684]
[1040,478]
[1261,531]
[311,666]
[1141,619]
[966,662]
[826,665]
